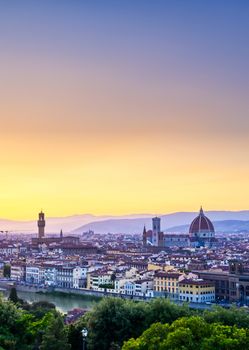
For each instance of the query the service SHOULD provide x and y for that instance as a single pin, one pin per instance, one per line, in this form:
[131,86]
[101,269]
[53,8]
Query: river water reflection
[63,302]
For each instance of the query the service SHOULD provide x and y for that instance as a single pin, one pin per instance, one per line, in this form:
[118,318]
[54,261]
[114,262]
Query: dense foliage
[114,323]
[30,329]
[55,336]
[190,333]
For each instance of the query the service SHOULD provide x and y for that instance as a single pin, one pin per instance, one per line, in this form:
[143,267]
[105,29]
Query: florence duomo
[201,234]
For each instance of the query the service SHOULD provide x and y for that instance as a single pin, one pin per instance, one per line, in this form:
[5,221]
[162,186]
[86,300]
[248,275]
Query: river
[63,302]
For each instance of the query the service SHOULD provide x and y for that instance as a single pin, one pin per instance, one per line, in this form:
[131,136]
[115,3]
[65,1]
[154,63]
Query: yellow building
[167,283]
[196,291]
[157,267]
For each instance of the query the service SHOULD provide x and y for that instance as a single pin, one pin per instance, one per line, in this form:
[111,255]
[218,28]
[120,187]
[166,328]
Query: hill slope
[129,223]
[175,222]
[225,226]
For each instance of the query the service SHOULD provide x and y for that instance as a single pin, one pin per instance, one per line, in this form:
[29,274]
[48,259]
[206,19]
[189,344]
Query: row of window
[201,293]
[191,286]
[30,270]
[165,283]
[210,298]
[169,290]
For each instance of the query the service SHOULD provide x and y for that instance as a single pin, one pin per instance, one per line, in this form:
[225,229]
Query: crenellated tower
[41,225]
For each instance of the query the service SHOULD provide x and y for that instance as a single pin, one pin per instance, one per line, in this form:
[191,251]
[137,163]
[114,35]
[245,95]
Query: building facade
[231,285]
[201,234]
[196,291]
[166,283]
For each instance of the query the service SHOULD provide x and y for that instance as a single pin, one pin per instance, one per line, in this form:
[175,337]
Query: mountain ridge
[224,226]
[168,222]
[130,223]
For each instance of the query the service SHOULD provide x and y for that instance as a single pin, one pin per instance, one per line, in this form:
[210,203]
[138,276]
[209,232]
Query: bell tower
[144,237]
[156,229]
[41,225]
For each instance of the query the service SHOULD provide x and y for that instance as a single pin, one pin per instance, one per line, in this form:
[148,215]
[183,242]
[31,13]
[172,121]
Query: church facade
[201,234]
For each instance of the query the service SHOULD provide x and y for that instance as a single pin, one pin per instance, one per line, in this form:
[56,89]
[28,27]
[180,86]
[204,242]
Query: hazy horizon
[232,221]
[131,215]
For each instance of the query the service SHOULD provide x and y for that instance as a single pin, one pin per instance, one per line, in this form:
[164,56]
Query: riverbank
[79,295]
[69,291]
[63,302]
[68,295]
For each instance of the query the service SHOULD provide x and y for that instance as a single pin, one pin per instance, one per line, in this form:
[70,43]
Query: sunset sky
[123,106]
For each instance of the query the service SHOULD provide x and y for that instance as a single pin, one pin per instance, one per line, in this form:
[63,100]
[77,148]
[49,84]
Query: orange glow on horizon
[132,108]
[68,176]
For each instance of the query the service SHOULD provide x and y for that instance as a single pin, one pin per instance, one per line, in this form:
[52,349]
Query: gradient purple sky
[123,106]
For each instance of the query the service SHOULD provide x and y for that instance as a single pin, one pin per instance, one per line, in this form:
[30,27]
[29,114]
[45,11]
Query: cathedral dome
[201,224]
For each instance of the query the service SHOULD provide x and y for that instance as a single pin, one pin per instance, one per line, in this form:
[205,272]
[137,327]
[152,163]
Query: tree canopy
[114,323]
[55,335]
[188,334]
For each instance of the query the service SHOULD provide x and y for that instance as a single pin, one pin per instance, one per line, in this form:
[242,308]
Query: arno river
[63,303]
[66,302]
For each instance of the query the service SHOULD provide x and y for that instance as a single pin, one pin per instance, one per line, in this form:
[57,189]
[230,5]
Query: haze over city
[120,108]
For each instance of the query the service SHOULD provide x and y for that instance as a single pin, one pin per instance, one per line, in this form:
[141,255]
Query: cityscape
[124,191]
[195,267]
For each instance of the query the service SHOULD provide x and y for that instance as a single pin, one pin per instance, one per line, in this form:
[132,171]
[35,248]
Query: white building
[65,276]
[8,249]
[129,288]
[50,275]
[33,275]
[17,271]
[80,276]
[143,286]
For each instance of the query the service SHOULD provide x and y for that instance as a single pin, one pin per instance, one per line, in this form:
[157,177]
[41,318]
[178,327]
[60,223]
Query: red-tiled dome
[201,224]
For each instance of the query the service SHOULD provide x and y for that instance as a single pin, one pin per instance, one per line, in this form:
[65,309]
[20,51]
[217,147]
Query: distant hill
[175,222]
[225,226]
[76,224]
[55,224]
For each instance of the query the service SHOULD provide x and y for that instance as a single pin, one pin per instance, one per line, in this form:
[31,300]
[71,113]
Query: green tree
[6,271]
[13,296]
[37,328]
[197,325]
[39,309]
[113,277]
[188,334]
[13,326]
[180,339]
[114,320]
[228,317]
[74,336]
[164,311]
[55,336]
[74,332]
[226,338]
[150,339]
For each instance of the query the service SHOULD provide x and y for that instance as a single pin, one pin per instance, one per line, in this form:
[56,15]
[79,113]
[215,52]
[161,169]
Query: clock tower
[41,225]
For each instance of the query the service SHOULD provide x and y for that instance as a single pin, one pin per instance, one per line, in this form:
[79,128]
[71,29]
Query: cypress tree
[13,296]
